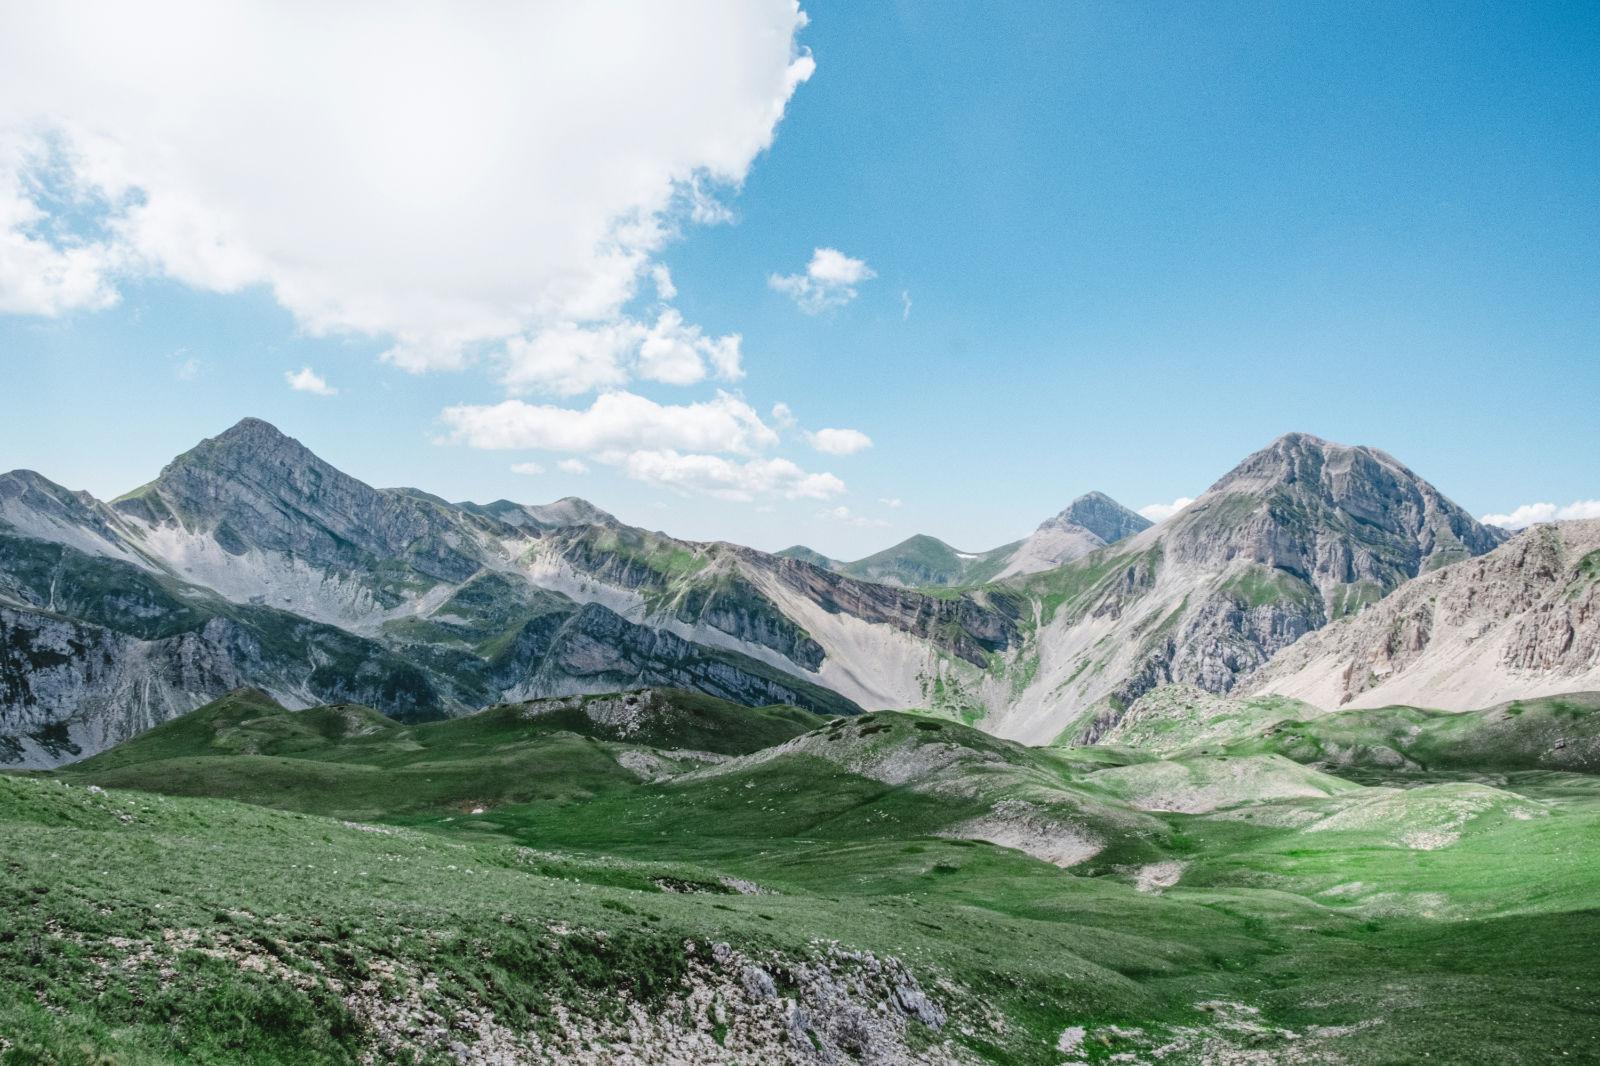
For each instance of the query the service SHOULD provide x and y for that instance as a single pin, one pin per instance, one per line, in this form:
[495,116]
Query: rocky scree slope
[1521,621]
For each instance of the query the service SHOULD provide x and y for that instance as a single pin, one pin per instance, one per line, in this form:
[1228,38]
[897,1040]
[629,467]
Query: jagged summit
[1329,513]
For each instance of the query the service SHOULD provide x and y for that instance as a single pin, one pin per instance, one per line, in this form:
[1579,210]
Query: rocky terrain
[251,561]
[1521,621]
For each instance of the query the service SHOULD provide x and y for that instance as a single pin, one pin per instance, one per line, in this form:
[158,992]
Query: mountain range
[250,561]
[1087,524]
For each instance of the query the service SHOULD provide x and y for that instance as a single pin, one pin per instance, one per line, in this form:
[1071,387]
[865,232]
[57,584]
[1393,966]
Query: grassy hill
[638,876]
[352,761]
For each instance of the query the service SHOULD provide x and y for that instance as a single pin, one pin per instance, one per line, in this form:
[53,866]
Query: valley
[302,770]
[655,874]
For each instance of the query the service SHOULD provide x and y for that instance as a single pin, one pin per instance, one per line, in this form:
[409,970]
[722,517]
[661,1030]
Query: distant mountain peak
[1100,515]
[251,426]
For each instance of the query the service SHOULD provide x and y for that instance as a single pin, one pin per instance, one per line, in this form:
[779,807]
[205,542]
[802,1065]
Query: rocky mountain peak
[1100,515]
[254,486]
[1327,513]
[570,511]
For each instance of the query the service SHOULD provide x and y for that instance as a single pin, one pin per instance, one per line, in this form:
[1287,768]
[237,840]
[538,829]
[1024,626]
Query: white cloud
[1160,512]
[829,280]
[782,415]
[569,359]
[530,469]
[849,517]
[307,380]
[678,354]
[905,304]
[614,422]
[188,369]
[1529,513]
[714,475]
[447,177]
[45,272]
[674,446]
[662,277]
[891,502]
[839,441]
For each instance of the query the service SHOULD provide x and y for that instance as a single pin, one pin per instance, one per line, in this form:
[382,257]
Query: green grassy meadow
[592,879]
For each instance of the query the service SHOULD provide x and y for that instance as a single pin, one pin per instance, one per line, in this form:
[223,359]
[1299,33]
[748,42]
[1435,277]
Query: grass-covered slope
[351,761]
[1549,733]
[650,877]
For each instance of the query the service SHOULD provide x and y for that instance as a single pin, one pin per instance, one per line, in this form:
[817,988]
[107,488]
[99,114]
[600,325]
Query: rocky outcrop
[597,650]
[1327,514]
[1521,621]
[968,625]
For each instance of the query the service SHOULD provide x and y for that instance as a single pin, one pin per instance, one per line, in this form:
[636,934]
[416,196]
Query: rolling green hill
[655,876]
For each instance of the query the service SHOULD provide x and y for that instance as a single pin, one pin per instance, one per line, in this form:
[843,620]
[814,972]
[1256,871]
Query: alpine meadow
[726,754]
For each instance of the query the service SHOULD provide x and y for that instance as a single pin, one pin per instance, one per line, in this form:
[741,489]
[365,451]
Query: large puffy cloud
[1529,513]
[444,176]
[615,422]
[829,280]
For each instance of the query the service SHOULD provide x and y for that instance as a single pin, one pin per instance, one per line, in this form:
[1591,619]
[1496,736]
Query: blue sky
[1110,247]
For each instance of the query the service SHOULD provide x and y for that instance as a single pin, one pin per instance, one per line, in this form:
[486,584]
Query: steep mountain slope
[1521,621]
[1301,532]
[94,649]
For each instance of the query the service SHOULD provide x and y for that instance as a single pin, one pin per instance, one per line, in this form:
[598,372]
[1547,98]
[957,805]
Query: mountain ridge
[504,599]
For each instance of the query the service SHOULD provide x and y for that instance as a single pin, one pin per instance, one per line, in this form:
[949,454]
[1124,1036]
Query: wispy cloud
[1530,513]
[829,280]
[850,518]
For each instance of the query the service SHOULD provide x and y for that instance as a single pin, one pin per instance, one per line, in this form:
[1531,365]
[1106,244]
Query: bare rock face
[1521,621]
[254,487]
[1329,515]
[1087,524]
[1102,516]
